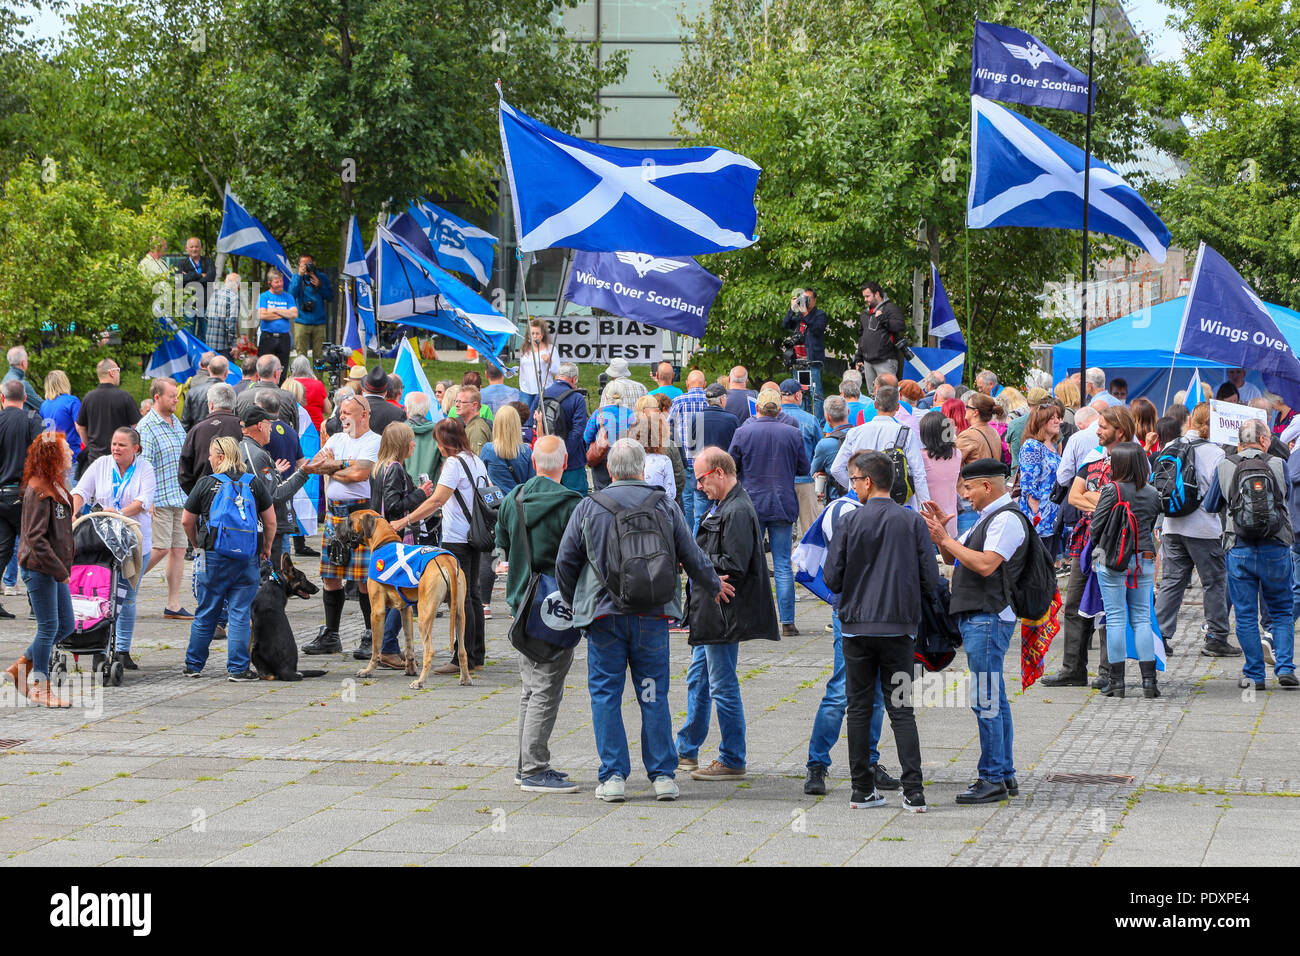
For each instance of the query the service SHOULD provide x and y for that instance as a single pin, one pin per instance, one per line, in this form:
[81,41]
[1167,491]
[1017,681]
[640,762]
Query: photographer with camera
[884,332]
[310,290]
[809,324]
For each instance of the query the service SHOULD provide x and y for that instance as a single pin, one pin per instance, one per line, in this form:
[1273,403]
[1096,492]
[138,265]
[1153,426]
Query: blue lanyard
[120,482]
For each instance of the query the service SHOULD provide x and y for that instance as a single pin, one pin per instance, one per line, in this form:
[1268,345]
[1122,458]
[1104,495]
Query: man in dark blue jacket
[573,405]
[881,564]
[768,457]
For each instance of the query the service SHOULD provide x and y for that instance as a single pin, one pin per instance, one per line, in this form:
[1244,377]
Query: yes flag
[666,292]
[456,243]
[663,202]
[1015,66]
[1226,321]
[243,235]
[1023,175]
[354,257]
[411,371]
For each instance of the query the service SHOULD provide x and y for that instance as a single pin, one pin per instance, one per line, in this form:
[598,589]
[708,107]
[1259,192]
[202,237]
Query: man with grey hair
[562,410]
[222,422]
[269,371]
[1257,535]
[546,506]
[738,394]
[1094,388]
[851,392]
[837,420]
[987,383]
[634,536]
[18,371]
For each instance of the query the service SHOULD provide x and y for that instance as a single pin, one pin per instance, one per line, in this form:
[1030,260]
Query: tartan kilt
[357,570]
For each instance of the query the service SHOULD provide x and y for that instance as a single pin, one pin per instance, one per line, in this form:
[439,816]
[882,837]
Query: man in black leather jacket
[883,330]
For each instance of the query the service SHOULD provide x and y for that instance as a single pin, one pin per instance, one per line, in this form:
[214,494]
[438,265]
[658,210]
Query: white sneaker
[11,590]
[1266,640]
[612,790]
[666,789]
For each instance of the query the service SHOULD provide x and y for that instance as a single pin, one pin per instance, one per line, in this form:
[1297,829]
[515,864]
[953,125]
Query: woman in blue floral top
[1039,456]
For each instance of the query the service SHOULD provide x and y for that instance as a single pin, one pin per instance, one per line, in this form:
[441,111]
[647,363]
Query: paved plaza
[339,771]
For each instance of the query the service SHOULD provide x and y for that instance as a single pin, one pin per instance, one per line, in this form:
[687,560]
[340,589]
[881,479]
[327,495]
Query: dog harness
[401,565]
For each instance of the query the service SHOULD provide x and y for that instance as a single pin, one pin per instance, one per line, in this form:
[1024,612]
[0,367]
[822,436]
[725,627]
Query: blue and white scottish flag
[354,256]
[950,357]
[410,370]
[943,321]
[810,556]
[1024,175]
[242,234]
[178,353]
[1017,67]
[662,202]
[457,244]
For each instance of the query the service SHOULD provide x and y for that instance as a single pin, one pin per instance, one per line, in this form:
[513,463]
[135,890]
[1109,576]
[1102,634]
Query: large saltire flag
[242,234]
[949,358]
[178,354]
[457,244]
[410,370]
[662,202]
[810,556]
[1024,175]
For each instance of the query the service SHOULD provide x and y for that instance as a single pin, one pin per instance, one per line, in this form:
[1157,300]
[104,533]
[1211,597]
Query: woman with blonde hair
[1068,392]
[61,408]
[508,460]
[449,400]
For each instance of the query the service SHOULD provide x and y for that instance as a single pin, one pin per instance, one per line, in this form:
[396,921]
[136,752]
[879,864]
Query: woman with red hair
[45,557]
[955,409]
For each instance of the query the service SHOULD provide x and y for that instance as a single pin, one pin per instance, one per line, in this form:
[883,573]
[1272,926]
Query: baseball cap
[253,415]
[791,386]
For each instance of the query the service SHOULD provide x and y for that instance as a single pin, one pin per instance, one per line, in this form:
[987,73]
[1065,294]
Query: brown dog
[441,578]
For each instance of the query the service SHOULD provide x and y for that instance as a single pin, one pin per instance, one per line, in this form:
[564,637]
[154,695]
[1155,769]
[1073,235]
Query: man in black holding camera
[809,323]
[884,332]
[310,290]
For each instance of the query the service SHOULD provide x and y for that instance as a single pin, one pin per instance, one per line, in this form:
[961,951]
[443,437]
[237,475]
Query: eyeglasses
[854,479]
[700,480]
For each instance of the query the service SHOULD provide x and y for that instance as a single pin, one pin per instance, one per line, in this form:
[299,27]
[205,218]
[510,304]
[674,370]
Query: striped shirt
[223,320]
[682,417]
[160,445]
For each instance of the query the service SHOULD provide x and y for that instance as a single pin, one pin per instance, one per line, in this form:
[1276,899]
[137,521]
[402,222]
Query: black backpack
[482,512]
[1173,475]
[1030,575]
[554,421]
[1119,541]
[1254,500]
[900,489]
[641,571]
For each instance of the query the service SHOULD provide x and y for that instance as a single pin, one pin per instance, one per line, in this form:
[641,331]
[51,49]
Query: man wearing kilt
[347,459]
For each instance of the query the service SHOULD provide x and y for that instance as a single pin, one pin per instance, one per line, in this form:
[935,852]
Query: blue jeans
[830,713]
[11,572]
[1256,570]
[779,533]
[392,632]
[1127,606]
[222,580]
[126,613]
[712,679]
[52,607]
[986,640]
[1295,579]
[615,644]
[700,508]
[688,495]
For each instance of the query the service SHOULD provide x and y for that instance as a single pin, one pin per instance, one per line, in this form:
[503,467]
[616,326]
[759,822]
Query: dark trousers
[888,660]
[1078,630]
[11,525]
[469,563]
[277,344]
[487,578]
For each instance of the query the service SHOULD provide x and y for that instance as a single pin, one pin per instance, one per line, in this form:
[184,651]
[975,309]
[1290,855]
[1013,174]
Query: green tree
[69,281]
[859,114]
[1237,94]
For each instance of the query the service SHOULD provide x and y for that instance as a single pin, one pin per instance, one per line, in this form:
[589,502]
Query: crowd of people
[893,480]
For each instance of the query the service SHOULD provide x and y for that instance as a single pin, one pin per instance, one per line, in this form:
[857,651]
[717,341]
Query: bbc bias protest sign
[589,339]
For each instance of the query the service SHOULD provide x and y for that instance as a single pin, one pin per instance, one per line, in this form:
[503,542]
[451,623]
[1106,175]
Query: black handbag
[542,628]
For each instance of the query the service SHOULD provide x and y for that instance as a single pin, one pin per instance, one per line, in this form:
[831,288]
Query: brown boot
[18,672]
[395,662]
[40,693]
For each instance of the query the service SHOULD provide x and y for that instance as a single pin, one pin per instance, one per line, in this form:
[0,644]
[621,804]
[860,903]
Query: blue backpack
[232,518]
[1173,475]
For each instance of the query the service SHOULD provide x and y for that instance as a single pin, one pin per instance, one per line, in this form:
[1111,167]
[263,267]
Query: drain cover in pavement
[1090,778]
[9,743]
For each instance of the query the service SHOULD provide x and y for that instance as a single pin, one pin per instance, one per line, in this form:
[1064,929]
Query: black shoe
[246,677]
[883,780]
[306,551]
[815,785]
[1217,648]
[124,658]
[6,615]
[1288,680]
[1113,683]
[983,791]
[866,801]
[362,653]
[789,630]
[1149,687]
[1013,786]
[1100,682]
[914,801]
[327,642]
[1064,679]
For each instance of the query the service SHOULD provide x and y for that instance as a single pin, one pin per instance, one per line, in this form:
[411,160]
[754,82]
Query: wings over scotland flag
[457,244]
[1224,320]
[243,235]
[1016,67]
[663,202]
[1024,175]
[354,257]
[668,292]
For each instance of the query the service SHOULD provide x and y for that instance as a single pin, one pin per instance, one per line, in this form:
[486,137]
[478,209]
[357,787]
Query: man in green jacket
[547,507]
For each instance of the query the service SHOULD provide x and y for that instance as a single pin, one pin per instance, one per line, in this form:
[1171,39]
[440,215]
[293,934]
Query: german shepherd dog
[273,648]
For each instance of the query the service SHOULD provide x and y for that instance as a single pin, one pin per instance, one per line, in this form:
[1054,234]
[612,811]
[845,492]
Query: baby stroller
[105,559]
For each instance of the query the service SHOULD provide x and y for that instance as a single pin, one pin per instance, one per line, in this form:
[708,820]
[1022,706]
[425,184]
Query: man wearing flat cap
[375,390]
[257,425]
[988,557]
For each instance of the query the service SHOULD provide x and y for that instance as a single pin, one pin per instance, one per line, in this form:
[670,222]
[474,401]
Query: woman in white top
[538,363]
[651,430]
[461,471]
[124,482]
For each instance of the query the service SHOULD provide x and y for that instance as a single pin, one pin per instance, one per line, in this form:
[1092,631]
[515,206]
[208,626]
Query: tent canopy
[1140,348]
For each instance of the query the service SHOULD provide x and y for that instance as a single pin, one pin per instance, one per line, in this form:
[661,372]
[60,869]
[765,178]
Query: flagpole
[1087,171]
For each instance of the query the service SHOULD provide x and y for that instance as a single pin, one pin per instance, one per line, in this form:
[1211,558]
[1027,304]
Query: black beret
[986,468]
